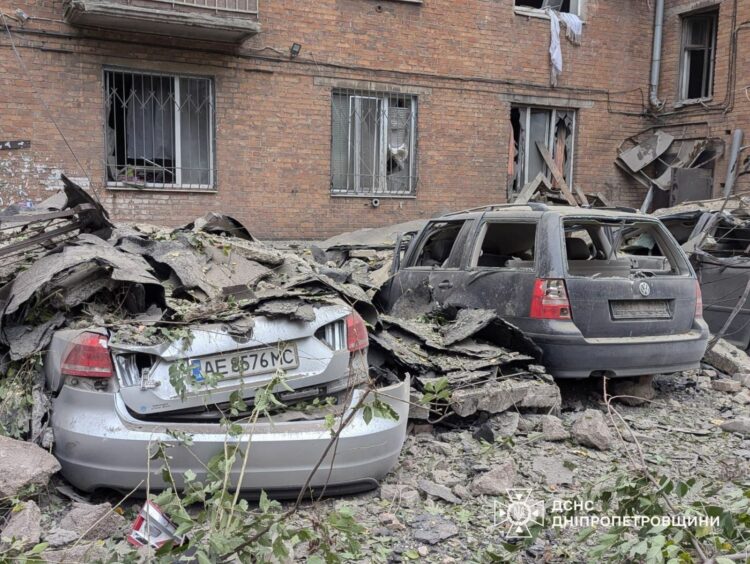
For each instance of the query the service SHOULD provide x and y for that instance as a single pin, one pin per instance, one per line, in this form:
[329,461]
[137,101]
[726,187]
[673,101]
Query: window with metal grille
[373,149]
[159,131]
[571,6]
[554,129]
[698,46]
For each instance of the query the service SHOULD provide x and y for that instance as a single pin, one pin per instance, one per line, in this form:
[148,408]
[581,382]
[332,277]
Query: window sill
[692,102]
[533,13]
[375,196]
[122,187]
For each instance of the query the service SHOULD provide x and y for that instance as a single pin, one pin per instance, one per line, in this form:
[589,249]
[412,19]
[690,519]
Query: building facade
[306,119]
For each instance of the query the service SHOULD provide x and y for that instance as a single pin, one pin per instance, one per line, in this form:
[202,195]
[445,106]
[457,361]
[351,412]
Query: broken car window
[619,249]
[436,247]
[506,245]
[159,130]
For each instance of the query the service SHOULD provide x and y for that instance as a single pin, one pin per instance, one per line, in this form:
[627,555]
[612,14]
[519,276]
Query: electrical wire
[46,106]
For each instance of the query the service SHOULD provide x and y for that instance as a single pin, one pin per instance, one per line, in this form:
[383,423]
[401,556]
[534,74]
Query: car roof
[536,209]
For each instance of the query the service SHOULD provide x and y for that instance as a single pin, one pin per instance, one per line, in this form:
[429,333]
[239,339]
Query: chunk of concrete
[553,429]
[439,491]
[433,528]
[726,385]
[400,494]
[740,425]
[591,430]
[552,470]
[499,396]
[418,410]
[496,481]
[634,391]
[93,522]
[24,525]
[82,552]
[727,358]
[743,379]
[23,464]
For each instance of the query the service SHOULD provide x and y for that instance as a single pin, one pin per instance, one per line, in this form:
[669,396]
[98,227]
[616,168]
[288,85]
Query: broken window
[698,46]
[159,130]
[506,245]
[554,129]
[571,6]
[436,247]
[619,248]
[373,144]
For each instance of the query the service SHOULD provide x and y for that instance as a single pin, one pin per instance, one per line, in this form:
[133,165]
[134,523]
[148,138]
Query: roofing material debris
[132,278]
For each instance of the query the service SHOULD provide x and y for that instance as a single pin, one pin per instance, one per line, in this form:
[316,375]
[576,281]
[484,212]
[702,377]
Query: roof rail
[535,206]
[619,208]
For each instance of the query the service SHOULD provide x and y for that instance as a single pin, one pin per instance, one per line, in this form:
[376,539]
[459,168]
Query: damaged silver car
[114,401]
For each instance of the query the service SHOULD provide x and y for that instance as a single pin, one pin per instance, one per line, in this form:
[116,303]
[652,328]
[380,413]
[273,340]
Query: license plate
[245,363]
[640,309]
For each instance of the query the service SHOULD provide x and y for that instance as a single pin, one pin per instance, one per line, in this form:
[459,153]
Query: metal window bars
[374,143]
[217,6]
[159,131]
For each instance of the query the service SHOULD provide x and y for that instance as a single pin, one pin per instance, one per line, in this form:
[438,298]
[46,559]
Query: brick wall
[467,61]
[729,106]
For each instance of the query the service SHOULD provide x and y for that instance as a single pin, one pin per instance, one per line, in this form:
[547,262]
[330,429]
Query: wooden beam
[528,191]
[581,196]
[556,174]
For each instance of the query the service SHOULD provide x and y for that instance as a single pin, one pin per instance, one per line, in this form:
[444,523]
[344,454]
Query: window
[506,245]
[159,131]
[373,148]
[697,65]
[571,6]
[552,128]
[437,245]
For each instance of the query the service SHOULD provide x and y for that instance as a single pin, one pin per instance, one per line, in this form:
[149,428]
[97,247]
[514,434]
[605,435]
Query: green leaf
[367,414]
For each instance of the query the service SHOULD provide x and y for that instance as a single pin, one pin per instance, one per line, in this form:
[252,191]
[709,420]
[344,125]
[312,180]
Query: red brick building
[304,119]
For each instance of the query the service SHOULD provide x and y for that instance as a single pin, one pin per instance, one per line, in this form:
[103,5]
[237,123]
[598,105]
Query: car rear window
[506,244]
[620,248]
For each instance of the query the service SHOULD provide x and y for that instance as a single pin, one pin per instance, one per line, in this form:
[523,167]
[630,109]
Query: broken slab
[495,397]
[643,154]
[372,238]
[552,470]
[497,481]
[23,464]
[591,430]
[741,425]
[24,525]
[727,358]
[726,385]
[93,522]
[433,529]
[553,429]
[401,495]
[439,491]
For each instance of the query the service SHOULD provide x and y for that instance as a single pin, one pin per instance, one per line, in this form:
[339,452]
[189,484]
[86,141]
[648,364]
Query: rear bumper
[574,356]
[99,445]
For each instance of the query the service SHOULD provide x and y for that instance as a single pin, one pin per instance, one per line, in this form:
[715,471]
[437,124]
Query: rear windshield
[620,248]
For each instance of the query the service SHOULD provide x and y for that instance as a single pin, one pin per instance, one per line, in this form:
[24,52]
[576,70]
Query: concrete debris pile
[72,267]
[479,362]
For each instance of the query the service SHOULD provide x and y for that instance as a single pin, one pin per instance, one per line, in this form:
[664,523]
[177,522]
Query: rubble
[24,525]
[552,470]
[23,464]
[496,481]
[433,529]
[727,358]
[401,495]
[438,490]
[93,522]
[726,385]
[590,429]
[553,429]
[740,425]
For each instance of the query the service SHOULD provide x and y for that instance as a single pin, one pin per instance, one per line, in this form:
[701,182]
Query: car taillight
[698,301]
[550,299]
[356,333]
[88,357]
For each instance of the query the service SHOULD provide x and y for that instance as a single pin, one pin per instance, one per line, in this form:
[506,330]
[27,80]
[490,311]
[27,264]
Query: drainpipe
[734,157]
[656,55]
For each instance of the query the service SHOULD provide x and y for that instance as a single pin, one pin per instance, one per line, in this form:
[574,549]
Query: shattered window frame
[169,117]
[519,155]
[564,6]
[450,262]
[709,19]
[373,143]
[479,245]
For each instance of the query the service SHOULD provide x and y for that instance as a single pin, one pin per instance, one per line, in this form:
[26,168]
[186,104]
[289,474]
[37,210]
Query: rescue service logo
[519,514]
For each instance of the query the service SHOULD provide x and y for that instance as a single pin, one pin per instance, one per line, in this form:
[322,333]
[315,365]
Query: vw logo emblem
[644,289]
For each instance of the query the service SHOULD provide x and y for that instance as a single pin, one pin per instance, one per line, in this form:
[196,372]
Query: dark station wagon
[603,292]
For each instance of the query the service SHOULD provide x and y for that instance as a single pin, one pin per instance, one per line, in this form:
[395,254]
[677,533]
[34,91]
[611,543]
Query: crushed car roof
[536,209]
